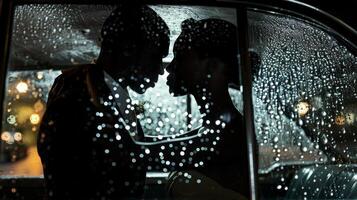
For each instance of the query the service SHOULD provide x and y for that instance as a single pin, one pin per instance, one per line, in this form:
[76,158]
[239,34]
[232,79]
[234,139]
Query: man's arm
[60,147]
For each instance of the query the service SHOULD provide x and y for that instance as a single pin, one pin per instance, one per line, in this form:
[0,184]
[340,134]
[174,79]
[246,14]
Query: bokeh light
[22,87]
[35,118]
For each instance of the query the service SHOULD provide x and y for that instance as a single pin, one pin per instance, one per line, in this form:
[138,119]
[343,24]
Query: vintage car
[297,92]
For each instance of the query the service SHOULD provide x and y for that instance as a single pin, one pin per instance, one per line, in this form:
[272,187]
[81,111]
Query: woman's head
[205,52]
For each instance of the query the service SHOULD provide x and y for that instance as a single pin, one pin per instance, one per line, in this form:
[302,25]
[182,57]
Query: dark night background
[346,10]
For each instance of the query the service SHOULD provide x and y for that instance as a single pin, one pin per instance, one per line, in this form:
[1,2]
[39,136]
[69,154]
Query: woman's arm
[187,153]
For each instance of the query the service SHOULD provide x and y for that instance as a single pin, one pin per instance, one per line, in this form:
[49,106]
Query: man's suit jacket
[85,151]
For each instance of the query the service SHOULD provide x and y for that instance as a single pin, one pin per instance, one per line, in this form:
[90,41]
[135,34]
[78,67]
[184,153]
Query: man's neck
[117,77]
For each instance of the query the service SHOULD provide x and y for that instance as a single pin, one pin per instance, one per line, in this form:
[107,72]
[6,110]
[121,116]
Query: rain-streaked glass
[50,38]
[305,103]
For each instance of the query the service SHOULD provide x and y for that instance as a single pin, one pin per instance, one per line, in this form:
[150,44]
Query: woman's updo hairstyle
[213,38]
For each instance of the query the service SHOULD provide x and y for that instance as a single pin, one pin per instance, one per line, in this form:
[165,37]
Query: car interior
[301,65]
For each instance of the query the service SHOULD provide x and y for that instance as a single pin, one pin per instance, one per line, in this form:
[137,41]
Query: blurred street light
[35,118]
[340,120]
[22,87]
[302,108]
[7,137]
[18,136]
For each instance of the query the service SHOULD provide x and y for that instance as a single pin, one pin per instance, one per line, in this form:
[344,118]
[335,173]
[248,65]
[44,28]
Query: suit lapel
[102,97]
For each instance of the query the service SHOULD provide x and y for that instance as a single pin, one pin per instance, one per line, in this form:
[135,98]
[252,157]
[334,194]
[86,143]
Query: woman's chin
[139,90]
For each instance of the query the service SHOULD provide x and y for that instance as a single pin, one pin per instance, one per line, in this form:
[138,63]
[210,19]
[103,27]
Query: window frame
[339,29]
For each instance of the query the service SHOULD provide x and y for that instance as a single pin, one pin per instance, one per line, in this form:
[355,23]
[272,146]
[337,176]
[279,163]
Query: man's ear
[127,48]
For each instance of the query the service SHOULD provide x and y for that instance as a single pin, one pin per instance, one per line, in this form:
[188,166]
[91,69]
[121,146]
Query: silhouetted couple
[91,143]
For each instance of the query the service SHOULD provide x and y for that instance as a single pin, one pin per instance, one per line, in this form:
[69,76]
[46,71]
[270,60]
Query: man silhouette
[86,135]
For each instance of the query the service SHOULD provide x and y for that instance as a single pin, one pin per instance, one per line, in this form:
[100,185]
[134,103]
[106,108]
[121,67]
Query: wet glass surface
[51,38]
[304,105]
[70,34]
[304,96]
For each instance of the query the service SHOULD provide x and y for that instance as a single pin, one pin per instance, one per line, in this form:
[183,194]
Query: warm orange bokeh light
[340,120]
[35,118]
[302,108]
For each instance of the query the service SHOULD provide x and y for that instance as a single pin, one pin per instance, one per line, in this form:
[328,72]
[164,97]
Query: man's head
[135,39]
[206,50]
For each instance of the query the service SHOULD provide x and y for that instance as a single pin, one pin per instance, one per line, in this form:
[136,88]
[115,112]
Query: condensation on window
[174,15]
[70,34]
[305,95]
[47,35]
[50,38]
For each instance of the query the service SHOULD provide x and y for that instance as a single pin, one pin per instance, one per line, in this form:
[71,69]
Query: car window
[47,41]
[304,96]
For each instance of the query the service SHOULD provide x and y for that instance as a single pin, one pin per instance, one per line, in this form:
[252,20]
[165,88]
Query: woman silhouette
[212,159]
[204,65]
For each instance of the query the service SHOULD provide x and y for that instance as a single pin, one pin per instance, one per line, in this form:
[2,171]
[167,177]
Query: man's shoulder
[71,83]
[75,73]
